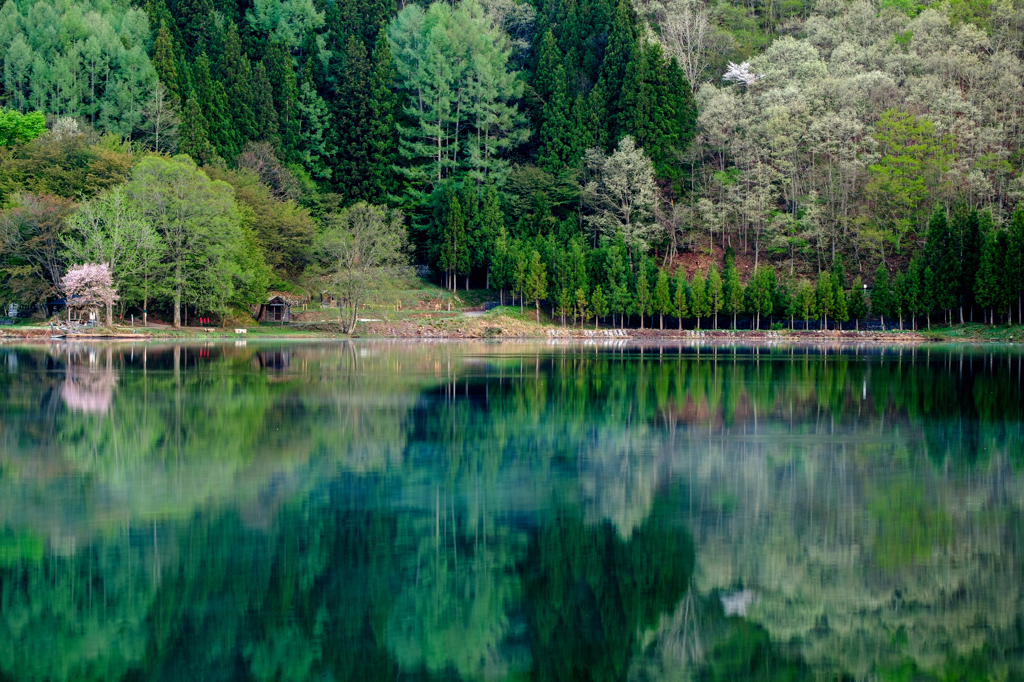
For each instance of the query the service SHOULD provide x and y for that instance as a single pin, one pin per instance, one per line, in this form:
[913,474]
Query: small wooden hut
[278,307]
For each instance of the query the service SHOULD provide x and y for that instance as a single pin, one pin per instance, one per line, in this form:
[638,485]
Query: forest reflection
[381,510]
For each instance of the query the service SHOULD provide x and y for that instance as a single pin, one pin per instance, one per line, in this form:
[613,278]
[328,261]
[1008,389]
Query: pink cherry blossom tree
[90,285]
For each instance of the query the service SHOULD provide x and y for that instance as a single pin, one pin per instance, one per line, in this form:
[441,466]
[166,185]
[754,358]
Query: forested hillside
[684,160]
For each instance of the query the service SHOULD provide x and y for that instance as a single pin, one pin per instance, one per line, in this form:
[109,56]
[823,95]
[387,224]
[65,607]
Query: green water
[391,511]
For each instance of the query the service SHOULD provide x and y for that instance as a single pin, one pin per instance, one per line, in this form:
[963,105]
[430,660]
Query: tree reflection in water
[362,511]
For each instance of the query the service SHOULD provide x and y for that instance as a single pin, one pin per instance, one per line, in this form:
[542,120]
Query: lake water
[514,511]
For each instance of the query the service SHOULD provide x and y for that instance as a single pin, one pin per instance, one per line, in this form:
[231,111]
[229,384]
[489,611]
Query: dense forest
[789,162]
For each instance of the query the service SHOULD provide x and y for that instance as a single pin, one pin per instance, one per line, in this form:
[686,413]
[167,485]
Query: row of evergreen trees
[579,282]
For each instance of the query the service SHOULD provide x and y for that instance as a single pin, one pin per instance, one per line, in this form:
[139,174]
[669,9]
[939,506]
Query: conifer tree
[657,108]
[662,302]
[214,103]
[236,75]
[858,306]
[840,310]
[621,51]
[454,254]
[615,274]
[825,296]
[642,300]
[193,138]
[929,294]
[680,306]
[598,304]
[285,90]
[314,122]
[491,225]
[759,292]
[264,113]
[966,227]
[380,134]
[1015,262]
[944,260]
[714,286]
[912,291]
[700,306]
[881,294]
[899,296]
[164,62]
[196,22]
[732,289]
[537,281]
[557,139]
[989,286]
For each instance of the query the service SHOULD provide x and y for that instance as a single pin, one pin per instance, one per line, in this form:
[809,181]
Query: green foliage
[18,128]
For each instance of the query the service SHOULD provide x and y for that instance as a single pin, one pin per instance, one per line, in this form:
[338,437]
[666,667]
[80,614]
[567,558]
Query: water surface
[515,511]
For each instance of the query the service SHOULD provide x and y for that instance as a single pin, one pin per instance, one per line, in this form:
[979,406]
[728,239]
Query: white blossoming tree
[90,285]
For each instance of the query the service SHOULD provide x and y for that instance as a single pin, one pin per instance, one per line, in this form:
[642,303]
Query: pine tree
[989,287]
[615,274]
[840,310]
[657,108]
[714,285]
[598,304]
[236,75]
[732,289]
[193,138]
[380,135]
[912,291]
[930,293]
[699,305]
[966,227]
[943,260]
[196,22]
[1015,262]
[881,294]
[899,296]
[858,305]
[285,91]
[264,113]
[759,292]
[642,300]
[164,62]
[825,296]
[314,121]
[557,149]
[662,300]
[680,307]
[621,51]
[454,254]
[537,281]
[214,104]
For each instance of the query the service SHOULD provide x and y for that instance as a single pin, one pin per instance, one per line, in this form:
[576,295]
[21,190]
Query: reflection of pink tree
[92,393]
[90,285]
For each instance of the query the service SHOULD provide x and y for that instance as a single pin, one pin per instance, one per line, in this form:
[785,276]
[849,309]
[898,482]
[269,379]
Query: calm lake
[510,511]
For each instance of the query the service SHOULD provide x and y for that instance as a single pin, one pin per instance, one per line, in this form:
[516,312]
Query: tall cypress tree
[284,86]
[263,111]
[971,244]
[214,104]
[944,260]
[881,294]
[164,62]
[622,50]
[353,121]
[558,147]
[196,23]
[236,75]
[1015,261]
[657,108]
[381,142]
[193,138]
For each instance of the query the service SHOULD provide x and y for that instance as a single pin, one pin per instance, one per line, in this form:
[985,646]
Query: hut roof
[285,297]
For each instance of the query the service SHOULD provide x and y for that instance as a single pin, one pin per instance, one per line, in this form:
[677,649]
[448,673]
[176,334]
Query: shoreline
[371,332]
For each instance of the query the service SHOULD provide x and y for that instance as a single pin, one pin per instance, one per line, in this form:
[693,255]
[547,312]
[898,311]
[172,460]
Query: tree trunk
[177,305]
[661,321]
[110,314]
[538,310]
